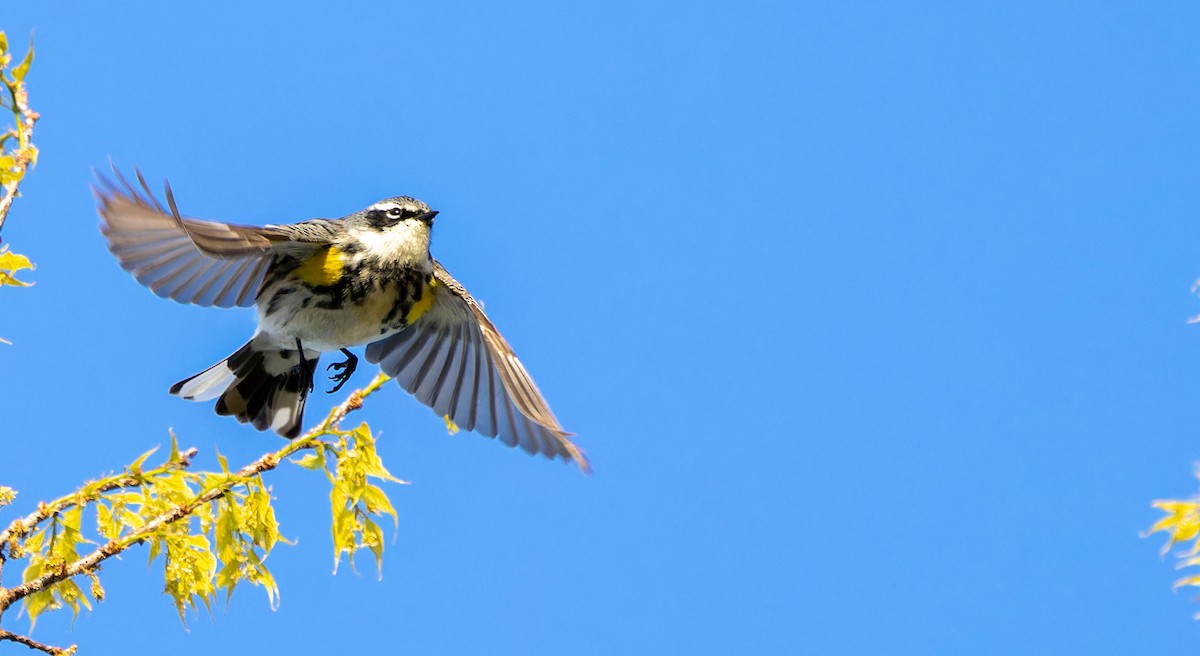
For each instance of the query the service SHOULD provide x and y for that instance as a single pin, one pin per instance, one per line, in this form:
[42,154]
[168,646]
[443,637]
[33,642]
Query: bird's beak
[428,216]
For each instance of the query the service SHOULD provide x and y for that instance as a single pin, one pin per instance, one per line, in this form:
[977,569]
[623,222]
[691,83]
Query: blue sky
[872,317]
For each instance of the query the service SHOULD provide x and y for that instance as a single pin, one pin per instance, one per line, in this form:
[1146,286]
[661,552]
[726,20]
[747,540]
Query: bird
[323,286]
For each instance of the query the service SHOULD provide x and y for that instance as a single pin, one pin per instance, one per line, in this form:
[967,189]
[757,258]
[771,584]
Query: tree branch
[25,118]
[34,644]
[267,462]
[21,527]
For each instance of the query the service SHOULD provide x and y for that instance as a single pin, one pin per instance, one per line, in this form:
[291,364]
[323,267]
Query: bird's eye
[395,212]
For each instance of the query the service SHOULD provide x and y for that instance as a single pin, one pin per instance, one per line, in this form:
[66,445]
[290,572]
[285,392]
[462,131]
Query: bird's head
[396,228]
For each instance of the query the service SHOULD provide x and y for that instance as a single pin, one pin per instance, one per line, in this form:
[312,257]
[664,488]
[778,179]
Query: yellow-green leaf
[7,495]
[10,264]
[314,460]
[136,466]
[38,603]
[373,540]
[23,68]
[377,503]
[33,544]
[106,523]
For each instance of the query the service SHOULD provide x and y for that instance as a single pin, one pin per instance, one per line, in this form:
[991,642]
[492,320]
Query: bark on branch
[35,645]
[23,526]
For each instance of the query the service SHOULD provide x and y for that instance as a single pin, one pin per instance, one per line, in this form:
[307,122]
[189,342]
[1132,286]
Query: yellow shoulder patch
[323,267]
[422,306]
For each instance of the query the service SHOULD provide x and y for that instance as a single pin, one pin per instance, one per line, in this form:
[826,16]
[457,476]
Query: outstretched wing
[186,260]
[455,361]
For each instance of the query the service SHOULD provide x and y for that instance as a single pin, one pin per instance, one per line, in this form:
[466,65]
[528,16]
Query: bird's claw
[344,370]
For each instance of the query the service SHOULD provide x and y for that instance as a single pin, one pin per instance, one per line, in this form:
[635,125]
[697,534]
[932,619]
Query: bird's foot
[344,369]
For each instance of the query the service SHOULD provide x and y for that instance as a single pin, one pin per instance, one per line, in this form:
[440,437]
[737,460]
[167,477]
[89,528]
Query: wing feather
[171,276]
[238,291]
[442,396]
[425,382]
[511,435]
[455,361]
[486,401]
[187,260]
[216,286]
[469,391]
[451,386]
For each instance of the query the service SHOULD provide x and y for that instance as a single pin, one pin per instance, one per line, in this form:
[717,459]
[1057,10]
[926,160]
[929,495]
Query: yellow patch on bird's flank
[323,267]
[422,306]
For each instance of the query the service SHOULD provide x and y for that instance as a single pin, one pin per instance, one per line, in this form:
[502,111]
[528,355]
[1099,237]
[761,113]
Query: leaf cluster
[1181,523]
[212,530]
[17,151]
[354,499]
[10,264]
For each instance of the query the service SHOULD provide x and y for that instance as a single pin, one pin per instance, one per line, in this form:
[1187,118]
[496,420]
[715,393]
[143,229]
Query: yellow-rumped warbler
[326,285]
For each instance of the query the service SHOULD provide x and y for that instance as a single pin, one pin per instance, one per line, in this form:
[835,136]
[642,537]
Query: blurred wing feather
[455,361]
[187,260]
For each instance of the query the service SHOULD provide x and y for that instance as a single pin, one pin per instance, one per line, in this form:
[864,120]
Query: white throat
[407,242]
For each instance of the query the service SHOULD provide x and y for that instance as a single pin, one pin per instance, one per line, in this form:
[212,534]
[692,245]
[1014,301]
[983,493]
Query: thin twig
[267,462]
[25,118]
[23,526]
[34,644]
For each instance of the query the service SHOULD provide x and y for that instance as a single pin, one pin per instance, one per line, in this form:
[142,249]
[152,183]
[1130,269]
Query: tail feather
[206,385]
[260,384]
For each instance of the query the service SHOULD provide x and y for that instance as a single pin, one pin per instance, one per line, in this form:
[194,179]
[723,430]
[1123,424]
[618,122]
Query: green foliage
[16,147]
[354,500]
[49,550]
[213,530]
[10,264]
[17,152]
[1181,523]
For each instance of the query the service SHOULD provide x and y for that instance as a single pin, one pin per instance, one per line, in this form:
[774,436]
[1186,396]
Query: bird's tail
[260,383]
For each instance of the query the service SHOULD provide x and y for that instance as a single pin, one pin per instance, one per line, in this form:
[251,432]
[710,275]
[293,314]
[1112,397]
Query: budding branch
[90,562]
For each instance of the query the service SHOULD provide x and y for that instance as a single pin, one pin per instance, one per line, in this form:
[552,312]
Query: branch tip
[35,645]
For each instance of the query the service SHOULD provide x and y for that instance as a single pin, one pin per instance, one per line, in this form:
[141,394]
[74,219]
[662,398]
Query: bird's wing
[455,361]
[186,260]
